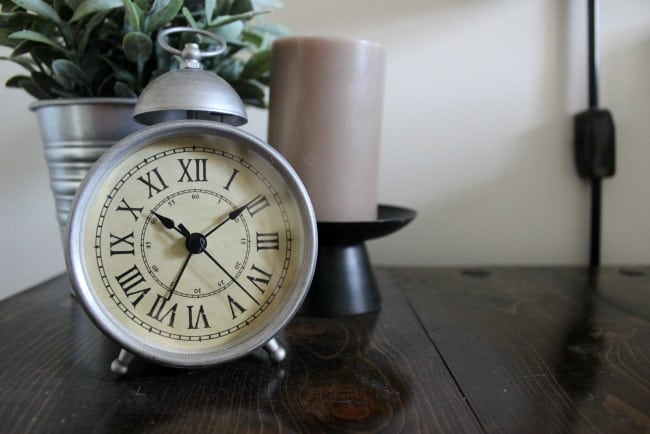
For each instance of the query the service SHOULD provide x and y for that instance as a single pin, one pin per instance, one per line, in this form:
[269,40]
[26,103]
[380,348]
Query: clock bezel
[87,295]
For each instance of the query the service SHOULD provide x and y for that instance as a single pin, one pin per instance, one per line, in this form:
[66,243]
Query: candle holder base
[344,283]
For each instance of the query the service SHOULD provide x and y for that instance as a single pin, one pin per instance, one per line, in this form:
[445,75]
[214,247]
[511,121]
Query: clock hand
[169,224]
[230,276]
[183,230]
[178,278]
[232,215]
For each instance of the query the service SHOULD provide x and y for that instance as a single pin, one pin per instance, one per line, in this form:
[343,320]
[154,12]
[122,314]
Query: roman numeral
[261,277]
[234,305]
[199,171]
[257,204]
[200,316]
[156,185]
[267,241]
[159,313]
[129,281]
[232,177]
[135,212]
[122,245]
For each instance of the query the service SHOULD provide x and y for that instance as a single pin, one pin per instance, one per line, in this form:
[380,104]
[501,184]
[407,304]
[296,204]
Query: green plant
[107,48]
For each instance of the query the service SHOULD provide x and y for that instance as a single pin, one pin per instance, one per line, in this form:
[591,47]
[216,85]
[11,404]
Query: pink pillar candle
[326,101]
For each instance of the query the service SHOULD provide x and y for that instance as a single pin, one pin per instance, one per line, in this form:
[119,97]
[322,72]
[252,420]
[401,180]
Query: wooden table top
[507,350]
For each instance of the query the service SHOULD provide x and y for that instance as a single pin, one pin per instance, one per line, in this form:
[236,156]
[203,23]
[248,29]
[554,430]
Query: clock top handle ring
[191,53]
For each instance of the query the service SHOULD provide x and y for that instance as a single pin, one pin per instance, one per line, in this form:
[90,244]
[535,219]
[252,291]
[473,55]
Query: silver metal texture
[190,92]
[195,55]
[76,242]
[75,133]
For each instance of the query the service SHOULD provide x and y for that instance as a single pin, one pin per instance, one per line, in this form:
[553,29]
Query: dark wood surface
[514,350]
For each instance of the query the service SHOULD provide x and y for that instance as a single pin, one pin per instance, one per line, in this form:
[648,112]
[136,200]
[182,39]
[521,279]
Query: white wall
[477,135]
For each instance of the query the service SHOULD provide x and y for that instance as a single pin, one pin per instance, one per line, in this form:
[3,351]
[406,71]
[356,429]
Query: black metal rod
[596,196]
[596,190]
[593,53]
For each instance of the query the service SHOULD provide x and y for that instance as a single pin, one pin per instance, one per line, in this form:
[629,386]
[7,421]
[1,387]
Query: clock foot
[120,366]
[276,352]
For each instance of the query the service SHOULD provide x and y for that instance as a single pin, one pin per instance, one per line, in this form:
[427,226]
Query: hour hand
[232,215]
[170,224]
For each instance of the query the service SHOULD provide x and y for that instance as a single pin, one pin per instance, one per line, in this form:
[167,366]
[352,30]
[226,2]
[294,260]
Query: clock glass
[191,243]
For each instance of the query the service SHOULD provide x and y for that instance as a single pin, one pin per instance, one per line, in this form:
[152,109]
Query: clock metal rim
[76,263]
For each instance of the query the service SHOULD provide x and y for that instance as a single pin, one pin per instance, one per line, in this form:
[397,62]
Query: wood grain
[542,349]
[370,373]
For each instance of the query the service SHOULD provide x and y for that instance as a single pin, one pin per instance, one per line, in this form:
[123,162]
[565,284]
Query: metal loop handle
[221,47]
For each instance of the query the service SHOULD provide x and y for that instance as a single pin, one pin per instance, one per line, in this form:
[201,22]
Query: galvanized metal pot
[75,133]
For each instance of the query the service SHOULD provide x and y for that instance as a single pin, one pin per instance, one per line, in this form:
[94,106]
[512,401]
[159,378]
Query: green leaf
[14,20]
[68,74]
[26,83]
[241,6]
[258,65]
[44,55]
[131,17]
[120,72]
[72,4]
[41,9]
[268,4]
[161,13]
[256,39]
[229,69]
[137,47]
[143,5]
[227,19]
[122,90]
[23,61]
[92,6]
[44,82]
[270,29]
[190,19]
[16,80]
[231,31]
[208,8]
[29,35]
[92,23]
[251,93]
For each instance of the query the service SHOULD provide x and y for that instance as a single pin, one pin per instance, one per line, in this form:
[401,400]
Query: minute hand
[232,216]
[230,276]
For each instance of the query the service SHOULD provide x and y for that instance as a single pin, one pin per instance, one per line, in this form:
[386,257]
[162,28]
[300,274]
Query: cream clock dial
[191,243]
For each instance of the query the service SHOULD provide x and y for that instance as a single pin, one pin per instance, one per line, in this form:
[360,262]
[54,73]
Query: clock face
[191,243]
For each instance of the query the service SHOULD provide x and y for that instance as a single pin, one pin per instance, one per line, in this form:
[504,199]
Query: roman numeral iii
[267,241]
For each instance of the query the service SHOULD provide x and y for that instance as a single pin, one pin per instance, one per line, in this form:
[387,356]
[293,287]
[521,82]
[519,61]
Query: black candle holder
[344,283]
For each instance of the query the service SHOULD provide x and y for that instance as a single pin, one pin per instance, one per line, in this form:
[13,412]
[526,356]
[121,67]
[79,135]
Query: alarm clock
[191,242]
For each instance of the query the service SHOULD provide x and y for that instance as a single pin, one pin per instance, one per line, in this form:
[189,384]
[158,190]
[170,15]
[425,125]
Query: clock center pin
[196,243]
